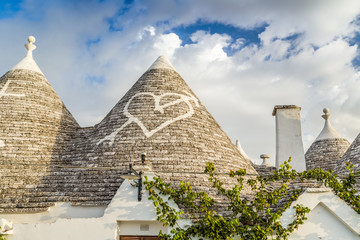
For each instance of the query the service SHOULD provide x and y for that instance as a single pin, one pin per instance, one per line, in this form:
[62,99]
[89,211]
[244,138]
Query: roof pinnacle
[328,131]
[162,62]
[28,63]
[30,46]
[326,116]
[238,146]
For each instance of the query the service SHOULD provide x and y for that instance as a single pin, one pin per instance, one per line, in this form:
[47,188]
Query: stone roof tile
[328,147]
[46,157]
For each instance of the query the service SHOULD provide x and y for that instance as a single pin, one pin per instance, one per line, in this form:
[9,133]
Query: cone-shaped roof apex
[162,116]
[28,62]
[352,155]
[35,128]
[241,150]
[162,109]
[326,151]
[328,131]
[162,62]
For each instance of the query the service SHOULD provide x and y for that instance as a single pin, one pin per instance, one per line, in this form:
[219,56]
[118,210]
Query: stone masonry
[34,128]
[46,157]
[351,155]
[184,136]
[326,153]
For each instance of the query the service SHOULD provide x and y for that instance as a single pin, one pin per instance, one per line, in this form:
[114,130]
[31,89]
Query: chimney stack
[265,158]
[288,137]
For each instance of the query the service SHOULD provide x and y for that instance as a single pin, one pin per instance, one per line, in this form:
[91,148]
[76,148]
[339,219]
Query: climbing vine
[252,217]
[2,237]
[343,186]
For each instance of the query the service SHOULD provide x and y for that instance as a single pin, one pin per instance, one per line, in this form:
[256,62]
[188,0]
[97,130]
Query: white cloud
[238,43]
[148,30]
[166,44]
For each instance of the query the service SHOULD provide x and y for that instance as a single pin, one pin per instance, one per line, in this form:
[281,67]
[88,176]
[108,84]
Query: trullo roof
[327,149]
[352,155]
[34,128]
[159,115]
[46,157]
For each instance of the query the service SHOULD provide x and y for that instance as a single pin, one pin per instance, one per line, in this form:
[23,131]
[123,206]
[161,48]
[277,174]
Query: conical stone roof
[46,157]
[34,127]
[161,116]
[352,155]
[327,149]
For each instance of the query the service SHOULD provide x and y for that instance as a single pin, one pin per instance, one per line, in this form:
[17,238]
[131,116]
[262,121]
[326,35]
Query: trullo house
[63,181]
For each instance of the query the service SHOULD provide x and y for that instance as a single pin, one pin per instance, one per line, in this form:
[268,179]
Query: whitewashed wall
[330,217]
[124,215]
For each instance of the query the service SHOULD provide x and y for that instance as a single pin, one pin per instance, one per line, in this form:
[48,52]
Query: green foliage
[256,217]
[2,237]
[343,187]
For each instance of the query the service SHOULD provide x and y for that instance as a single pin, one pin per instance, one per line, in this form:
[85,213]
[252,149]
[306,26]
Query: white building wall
[330,217]
[59,211]
[125,215]
[323,224]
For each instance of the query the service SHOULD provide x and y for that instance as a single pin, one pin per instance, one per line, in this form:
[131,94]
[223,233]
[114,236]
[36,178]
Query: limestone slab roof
[46,157]
[352,155]
[159,115]
[325,152]
[35,126]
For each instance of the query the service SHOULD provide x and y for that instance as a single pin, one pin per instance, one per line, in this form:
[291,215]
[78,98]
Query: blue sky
[9,8]
[244,36]
[240,57]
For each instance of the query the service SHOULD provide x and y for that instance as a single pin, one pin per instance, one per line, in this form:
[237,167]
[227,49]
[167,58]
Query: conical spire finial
[241,150]
[162,62]
[328,131]
[28,63]
[30,46]
[326,116]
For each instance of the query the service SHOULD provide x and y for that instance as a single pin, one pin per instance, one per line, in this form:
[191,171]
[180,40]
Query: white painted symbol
[2,94]
[3,91]
[148,133]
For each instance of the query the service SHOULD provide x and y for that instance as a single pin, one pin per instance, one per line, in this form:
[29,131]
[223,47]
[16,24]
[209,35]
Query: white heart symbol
[148,133]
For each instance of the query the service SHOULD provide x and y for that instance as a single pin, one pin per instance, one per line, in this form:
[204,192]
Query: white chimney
[288,137]
[265,158]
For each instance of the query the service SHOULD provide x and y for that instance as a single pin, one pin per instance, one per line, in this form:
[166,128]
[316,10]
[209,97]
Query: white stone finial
[328,131]
[162,62]
[265,158]
[241,150]
[326,116]
[30,46]
[28,63]
[31,39]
